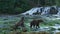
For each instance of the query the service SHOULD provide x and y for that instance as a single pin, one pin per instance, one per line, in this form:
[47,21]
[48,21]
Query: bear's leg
[33,25]
[37,26]
[30,25]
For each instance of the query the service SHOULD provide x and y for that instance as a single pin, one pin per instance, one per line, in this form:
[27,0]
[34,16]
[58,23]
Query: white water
[45,10]
[31,11]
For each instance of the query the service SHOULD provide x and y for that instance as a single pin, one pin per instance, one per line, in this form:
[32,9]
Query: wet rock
[53,11]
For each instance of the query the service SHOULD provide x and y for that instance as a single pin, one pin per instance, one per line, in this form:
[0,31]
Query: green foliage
[19,6]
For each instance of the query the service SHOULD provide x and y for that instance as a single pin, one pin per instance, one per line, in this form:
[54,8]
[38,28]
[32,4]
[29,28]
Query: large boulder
[53,10]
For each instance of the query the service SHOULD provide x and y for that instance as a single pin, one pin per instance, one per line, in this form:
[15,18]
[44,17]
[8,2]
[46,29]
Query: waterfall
[44,10]
[31,11]
[59,11]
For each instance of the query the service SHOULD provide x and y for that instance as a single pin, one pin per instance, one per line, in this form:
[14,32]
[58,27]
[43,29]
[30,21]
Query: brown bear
[35,23]
[20,23]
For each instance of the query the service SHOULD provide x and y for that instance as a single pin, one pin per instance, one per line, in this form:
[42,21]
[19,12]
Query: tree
[20,6]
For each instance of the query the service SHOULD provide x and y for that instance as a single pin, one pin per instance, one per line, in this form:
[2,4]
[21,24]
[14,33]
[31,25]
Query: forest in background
[20,6]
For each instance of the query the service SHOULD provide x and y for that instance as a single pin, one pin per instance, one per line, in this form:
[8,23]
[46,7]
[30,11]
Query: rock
[53,11]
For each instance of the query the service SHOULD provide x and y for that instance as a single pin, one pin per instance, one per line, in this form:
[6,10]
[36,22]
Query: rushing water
[45,10]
